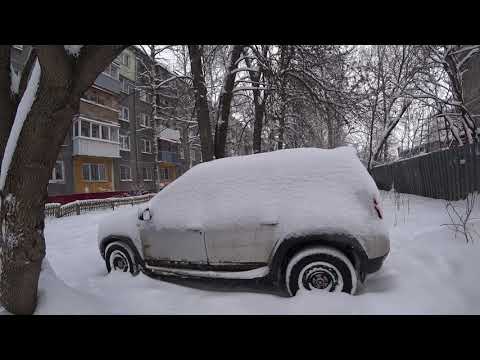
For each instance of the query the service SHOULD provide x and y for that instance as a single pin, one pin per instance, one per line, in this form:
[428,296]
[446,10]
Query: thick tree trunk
[258,103]
[23,244]
[63,80]
[203,113]
[224,102]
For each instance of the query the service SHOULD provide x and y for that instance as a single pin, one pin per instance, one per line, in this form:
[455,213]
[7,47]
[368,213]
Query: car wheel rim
[119,262]
[320,276]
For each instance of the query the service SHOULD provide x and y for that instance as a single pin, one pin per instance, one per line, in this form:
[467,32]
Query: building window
[144,96]
[58,173]
[94,172]
[147,174]
[125,86]
[96,131]
[146,146]
[105,133]
[195,155]
[85,128]
[75,128]
[164,174]
[112,71]
[125,173]
[125,59]
[145,120]
[114,134]
[125,142]
[124,113]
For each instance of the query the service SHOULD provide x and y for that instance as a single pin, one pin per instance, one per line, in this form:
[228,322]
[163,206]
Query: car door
[241,244]
[162,245]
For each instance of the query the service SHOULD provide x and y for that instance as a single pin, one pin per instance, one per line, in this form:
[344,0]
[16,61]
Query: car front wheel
[322,269]
[119,257]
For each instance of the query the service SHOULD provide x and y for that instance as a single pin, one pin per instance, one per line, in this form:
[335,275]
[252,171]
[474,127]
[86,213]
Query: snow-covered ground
[428,271]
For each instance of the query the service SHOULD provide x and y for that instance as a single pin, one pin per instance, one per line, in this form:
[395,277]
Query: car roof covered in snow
[300,188]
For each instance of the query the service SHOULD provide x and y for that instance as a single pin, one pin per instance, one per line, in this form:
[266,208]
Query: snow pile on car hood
[305,190]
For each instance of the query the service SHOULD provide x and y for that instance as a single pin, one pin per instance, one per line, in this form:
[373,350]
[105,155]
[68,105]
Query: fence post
[77,208]
[113,204]
[57,211]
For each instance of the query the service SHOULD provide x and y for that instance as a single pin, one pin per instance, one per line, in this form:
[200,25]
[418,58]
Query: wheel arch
[287,248]
[121,239]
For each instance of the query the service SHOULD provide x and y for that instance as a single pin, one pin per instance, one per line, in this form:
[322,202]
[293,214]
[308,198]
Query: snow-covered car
[302,218]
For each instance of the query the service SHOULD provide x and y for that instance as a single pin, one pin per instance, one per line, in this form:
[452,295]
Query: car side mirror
[145,215]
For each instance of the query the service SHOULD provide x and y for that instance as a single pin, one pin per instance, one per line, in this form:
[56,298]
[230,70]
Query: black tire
[320,268]
[119,257]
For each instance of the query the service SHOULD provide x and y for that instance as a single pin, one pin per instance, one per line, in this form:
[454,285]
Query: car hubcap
[118,261]
[320,276]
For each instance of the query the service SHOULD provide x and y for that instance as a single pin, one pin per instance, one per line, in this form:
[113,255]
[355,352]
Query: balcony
[95,138]
[169,134]
[95,147]
[109,83]
[168,156]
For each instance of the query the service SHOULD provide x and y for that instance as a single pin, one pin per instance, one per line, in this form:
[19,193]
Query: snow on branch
[22,112]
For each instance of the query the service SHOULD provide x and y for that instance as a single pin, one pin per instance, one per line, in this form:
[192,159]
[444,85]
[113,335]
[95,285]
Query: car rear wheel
[119,257]
[320,269]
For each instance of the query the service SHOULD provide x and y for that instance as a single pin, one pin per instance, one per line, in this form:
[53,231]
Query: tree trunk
[22,240]
[63,80]
[258,127]
[281,131]
[203,113]
[224,102]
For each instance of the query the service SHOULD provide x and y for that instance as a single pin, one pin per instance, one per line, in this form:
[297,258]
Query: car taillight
[377,208]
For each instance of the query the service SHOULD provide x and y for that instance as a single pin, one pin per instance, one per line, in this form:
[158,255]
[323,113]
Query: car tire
[120,257]
[320,268]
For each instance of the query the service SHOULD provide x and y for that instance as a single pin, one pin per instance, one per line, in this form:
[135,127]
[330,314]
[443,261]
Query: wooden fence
[449,174]
[81,206]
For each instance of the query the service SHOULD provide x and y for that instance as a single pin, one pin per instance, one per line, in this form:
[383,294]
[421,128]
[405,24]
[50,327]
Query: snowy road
[428,271]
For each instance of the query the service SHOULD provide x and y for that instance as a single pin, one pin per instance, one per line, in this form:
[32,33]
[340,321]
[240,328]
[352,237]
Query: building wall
[107,82]
[128,71]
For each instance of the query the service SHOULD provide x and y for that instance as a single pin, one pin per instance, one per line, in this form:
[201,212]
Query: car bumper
[374,264]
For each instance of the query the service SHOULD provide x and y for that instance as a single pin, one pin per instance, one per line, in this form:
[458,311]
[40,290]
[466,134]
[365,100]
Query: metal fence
[449,174]
[81,206]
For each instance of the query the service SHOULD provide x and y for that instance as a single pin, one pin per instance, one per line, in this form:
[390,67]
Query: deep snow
[428,271]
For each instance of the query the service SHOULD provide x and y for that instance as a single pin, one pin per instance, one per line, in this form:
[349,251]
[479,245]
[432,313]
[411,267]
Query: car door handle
[195,230]
[269,223]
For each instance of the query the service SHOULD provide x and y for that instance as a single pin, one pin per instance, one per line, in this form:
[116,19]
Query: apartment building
[111,144]
[137,166]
